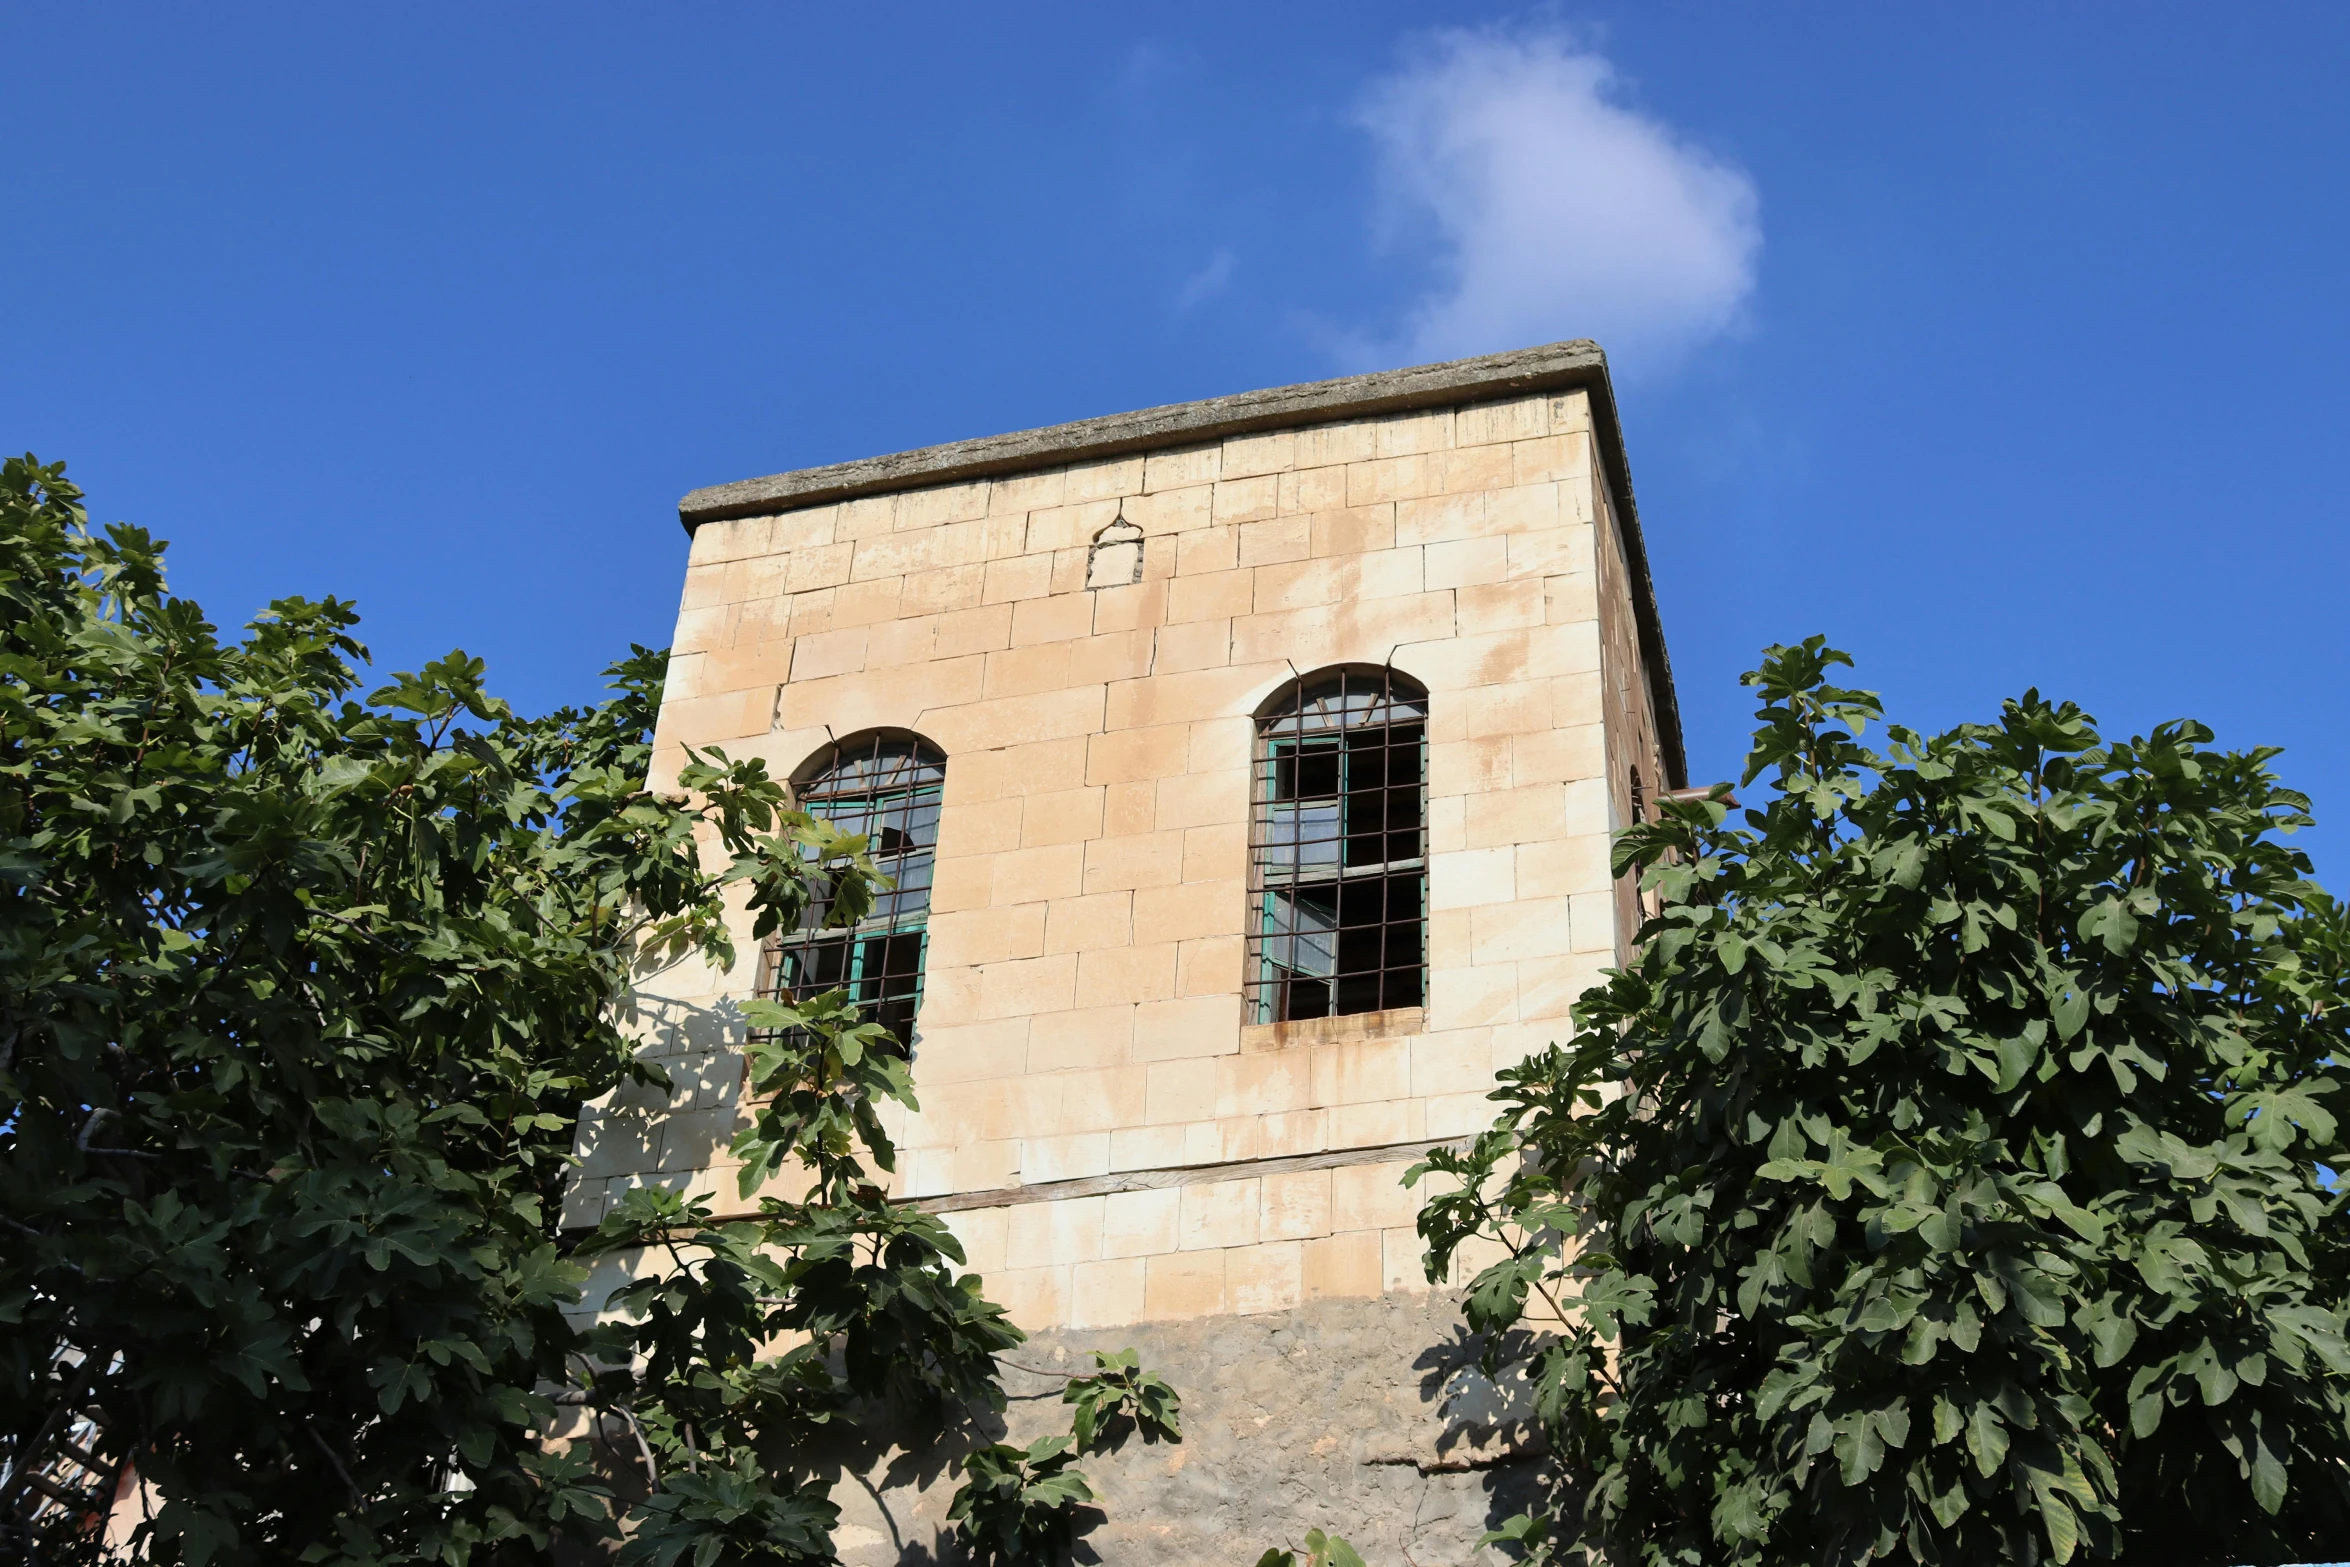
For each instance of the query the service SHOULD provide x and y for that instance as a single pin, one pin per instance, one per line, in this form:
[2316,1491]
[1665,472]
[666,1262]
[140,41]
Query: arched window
[885,787]
[1340,856]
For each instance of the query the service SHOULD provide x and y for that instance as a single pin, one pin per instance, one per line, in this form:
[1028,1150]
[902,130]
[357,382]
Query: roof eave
[1580,364]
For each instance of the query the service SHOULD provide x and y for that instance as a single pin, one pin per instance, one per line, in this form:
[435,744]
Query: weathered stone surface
[1378,425]
[1362,1418]
[1554,366]
[1125,1153]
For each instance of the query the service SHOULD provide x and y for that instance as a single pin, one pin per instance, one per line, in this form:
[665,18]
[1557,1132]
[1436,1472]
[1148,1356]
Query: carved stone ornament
[1116,556]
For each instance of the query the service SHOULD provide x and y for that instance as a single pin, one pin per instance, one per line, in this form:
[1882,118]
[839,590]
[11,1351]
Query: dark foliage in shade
[301,993]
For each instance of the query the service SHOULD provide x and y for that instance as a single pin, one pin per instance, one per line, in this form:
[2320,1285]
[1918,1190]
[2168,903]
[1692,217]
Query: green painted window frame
[865,784]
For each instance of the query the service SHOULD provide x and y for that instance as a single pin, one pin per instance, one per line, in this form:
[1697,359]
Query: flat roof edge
[1520,372]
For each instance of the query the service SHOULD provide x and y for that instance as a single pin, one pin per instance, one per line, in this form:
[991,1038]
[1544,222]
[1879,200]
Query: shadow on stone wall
[1368,1419]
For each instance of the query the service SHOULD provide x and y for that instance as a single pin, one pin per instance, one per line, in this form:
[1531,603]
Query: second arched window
[1339,857]
[886,788]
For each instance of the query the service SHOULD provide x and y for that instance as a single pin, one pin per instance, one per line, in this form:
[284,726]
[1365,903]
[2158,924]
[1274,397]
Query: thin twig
[91,1125]
[97,1117]
[349,1484]
[644,1449]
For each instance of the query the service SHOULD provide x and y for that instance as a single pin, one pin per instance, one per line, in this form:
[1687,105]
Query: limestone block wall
[1637,771]
[1082,1016]
[1119,1149]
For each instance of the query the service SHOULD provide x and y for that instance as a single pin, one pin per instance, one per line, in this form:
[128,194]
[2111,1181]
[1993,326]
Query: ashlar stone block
[1264,1278]
[1310,490]
[1272,452]
[1141,1223]
[1182,1285]
[1108,1294]
[1222,1214]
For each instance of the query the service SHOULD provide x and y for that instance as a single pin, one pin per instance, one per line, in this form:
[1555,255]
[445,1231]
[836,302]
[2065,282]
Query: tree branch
[350,1485]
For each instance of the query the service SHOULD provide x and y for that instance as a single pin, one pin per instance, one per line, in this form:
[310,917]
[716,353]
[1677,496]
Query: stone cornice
[1521,372]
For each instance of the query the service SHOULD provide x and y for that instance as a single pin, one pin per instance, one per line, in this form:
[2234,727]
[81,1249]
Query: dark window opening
[1340,860]
[887,790]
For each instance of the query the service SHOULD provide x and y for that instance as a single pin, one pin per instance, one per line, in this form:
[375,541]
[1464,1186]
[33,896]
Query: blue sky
[2003,344]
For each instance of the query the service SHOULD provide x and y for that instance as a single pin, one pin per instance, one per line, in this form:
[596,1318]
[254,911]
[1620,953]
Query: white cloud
[1209,280]
[1554,210]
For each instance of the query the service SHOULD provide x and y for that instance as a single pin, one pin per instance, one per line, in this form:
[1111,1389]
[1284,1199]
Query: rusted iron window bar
[887,788]
[1339,857]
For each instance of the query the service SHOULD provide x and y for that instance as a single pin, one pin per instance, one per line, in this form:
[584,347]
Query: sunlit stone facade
[1205,962]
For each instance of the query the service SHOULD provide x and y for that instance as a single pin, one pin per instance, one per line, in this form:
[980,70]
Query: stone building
[1248,767]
